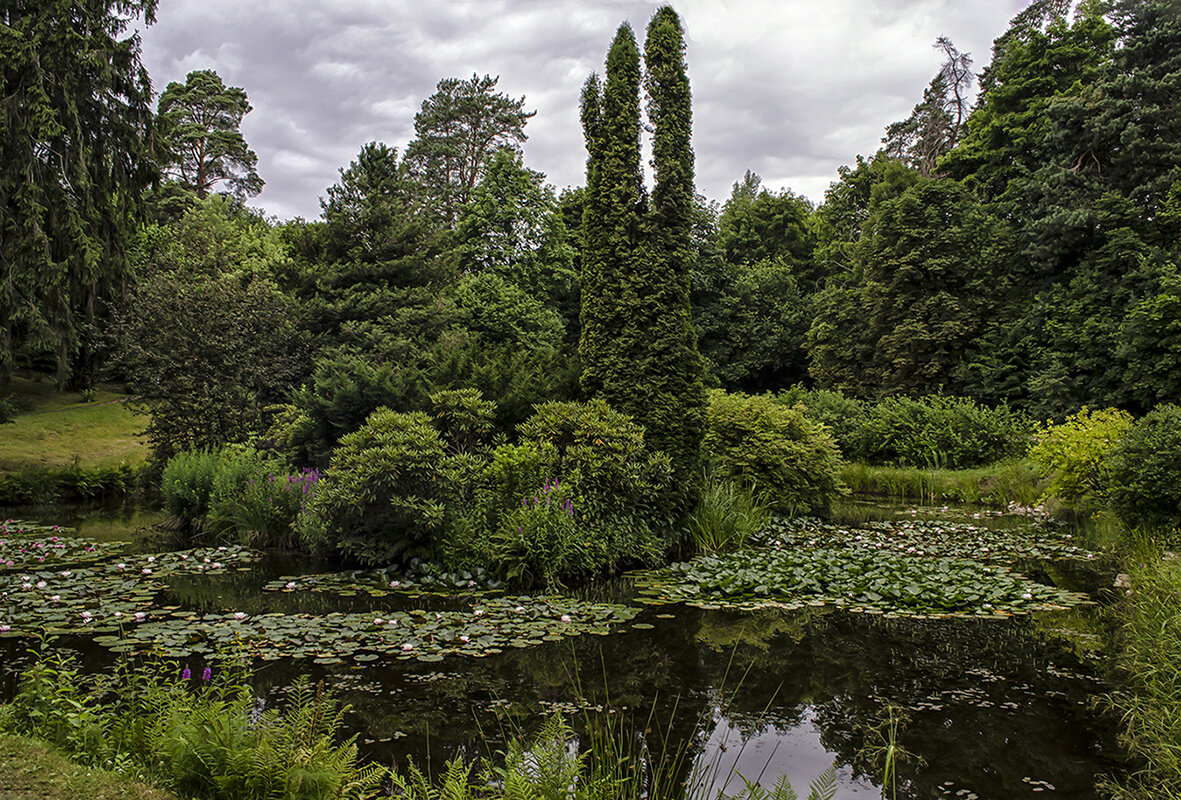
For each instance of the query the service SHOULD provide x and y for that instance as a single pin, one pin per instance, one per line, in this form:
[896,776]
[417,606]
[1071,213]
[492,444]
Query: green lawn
[57,429]
[32,770]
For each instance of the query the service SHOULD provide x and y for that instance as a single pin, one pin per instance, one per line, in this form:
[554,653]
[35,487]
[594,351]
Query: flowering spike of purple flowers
[207,674]
[185,674]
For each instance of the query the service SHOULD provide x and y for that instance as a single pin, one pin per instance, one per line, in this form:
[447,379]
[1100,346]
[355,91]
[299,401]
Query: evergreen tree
[75,157]
[638,346]
[200,121]
[457,130]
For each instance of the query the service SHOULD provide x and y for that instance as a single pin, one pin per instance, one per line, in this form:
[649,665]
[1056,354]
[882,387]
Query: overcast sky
[791,89]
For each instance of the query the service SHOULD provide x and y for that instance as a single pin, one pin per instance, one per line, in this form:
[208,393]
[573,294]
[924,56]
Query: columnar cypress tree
[638,347]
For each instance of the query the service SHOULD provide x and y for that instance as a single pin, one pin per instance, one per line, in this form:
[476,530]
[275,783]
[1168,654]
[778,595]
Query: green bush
[73,483]
[187,484]
[843,415]
[622,490]
[938,431]
[382,498]
[255,501]
[790,460]
[1073,454]
[1145,470]
[578,495]
[540,542]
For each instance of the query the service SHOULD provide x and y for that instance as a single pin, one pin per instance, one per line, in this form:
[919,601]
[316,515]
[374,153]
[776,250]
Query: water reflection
[995,708]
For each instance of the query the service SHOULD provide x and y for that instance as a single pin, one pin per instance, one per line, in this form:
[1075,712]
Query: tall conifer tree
[638,346]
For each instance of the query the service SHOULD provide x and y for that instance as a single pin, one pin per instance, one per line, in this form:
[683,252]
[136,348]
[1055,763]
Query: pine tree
[638,346]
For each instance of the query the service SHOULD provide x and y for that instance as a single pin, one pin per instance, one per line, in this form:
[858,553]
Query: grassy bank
[54,430]
[997,485]
[1149,660]
[30,769]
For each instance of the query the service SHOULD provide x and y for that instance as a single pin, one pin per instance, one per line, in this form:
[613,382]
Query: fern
[825,785]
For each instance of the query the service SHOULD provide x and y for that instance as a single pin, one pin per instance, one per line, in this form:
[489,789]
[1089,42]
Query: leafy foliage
[76,155]
[206,357]
[1074,452]
[938,431]
[207,739]
[381,500]
[1143,470]
[791,461]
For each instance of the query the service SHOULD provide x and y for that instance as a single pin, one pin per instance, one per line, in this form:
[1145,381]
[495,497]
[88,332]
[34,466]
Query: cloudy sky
[791,89]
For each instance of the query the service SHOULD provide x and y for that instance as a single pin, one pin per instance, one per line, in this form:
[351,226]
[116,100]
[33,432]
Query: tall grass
[997,485]
[1149,658]
[727,515]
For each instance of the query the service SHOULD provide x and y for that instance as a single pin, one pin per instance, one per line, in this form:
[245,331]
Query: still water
[990,709]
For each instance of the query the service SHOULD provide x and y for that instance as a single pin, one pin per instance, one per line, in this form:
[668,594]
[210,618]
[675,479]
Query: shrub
[938,431]
[1072,454]
[1145,470]
[187,483]
[843,415]
[775,450]
[255,501]
[541,543]
[381,500]
[579,495]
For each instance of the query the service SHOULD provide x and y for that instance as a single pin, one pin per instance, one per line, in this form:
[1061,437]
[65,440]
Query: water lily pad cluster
[420,577]
[489,627]
[856,579]
[28,545]
[104,596]
[929,537]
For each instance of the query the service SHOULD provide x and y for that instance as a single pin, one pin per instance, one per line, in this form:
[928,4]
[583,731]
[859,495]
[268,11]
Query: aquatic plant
[859,580]
[931,537]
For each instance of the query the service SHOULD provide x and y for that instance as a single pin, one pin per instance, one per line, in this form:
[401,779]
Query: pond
[995,703]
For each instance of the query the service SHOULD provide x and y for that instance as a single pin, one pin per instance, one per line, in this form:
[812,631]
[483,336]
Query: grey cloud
[789,88]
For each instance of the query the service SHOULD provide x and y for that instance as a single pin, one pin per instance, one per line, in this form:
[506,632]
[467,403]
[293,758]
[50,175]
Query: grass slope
[33,770]
[58,429]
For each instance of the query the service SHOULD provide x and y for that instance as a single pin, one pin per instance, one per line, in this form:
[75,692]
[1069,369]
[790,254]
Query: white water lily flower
[239,615]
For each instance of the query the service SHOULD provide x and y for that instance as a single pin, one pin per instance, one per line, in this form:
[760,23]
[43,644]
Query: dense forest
[1018,252]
